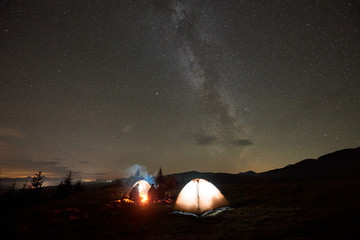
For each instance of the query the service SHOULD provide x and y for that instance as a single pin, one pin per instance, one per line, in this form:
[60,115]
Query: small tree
[25,192]
[24,187]
[68,180]
[79,187]
[66,186]
[11,189]
[37,182]
[159,178]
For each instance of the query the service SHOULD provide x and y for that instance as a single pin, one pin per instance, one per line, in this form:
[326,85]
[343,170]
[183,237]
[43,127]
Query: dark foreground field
[260,210]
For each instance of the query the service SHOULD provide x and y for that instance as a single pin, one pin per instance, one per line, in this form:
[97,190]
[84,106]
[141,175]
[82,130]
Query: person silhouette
[135,194]
[160,193]
[152,194]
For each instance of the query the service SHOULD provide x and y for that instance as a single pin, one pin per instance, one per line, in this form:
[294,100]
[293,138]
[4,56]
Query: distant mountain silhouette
[339,165]
[249,173]
[343,164]
[218,178]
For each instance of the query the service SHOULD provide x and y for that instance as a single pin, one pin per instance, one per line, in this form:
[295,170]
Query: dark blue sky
[227,86]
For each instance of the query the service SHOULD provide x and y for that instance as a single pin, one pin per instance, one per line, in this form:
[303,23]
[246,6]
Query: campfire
[139,195]
[143,198]
[125,200]
[143,187]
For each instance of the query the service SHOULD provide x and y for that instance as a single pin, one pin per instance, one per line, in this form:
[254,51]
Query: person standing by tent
[152,194]
[160,193]
[134,194]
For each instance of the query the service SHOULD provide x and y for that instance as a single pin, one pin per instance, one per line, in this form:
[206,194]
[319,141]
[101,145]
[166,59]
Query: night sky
[225,86]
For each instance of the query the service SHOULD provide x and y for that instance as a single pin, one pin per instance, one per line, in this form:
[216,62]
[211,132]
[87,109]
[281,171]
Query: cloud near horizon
[12,133]
[26,167]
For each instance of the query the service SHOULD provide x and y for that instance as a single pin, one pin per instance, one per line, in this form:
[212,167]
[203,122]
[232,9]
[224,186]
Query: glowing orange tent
[199,197]
[144,187]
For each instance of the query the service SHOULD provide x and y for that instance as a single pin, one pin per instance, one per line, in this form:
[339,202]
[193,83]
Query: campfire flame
[143,190]
[144,198]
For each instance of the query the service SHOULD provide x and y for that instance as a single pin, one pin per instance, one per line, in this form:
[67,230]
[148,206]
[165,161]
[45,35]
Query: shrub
[65,186]
[37,182]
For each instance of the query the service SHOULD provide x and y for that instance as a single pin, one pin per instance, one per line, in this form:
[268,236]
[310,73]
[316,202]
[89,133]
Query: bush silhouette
[79,187]
[11,189]
[159,178]
[65,186]
[37,182]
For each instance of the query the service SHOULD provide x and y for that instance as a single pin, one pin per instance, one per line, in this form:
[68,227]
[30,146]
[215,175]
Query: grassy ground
[263,210]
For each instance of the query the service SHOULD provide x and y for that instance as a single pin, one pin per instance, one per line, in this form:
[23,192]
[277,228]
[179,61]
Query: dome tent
[144,187]
[199,197]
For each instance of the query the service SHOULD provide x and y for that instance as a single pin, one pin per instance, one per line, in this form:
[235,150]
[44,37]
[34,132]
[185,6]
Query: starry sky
[94,86]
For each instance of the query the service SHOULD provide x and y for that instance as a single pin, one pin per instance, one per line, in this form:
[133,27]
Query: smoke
[132,170]
[141,171]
